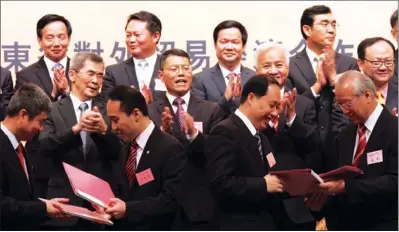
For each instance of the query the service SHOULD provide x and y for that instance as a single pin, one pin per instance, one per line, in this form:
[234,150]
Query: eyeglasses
[377,63]
[92,74]
[176,68]
[325,25]
[347,105]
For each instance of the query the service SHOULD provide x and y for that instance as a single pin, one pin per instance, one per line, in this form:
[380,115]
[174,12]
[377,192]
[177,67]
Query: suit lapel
[44,76]
[246,73]
[131,72]
[145,159]
[68,112]
[304,65]
[194,107]
[392,96]
[217,77]
[155,73]
[349,145]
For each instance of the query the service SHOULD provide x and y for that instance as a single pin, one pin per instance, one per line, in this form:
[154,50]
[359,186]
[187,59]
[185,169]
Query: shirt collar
[282,92]
[142,139]
[50,64]
[226,72]
[150,60]
[384,90]
[311,54]
[76,102]
[246,121]
[372,119]
[171,98]
[10,136]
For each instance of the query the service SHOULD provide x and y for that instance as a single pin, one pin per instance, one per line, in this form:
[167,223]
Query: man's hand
[189,128]
[274,184]
[332,187]
[237,86]
[229,91]
[321,80]
[117,208]
[54,207]
[289,103]
[328,65]
[395,111]
[166,120]
[63,85]
[147,94]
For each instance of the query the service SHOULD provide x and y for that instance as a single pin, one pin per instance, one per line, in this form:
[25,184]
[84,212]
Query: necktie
[131,163]
[20,153]
[259,144]
[57,65]
[180,111]
[83,134]
[316,60]
[275,123]
[143,64]
[380,98]
[361,144]
[231,76]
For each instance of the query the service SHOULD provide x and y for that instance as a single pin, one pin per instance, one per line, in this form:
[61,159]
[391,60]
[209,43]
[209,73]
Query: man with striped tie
[152,164]
[369,142]
[238,159]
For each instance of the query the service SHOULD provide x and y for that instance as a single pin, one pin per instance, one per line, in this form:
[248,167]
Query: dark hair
[361,49]
[257,85]
[173,52]
[49,18]
[129,98]
[230,24]
[308,16]
[31,98]
[153,22]
[394,18]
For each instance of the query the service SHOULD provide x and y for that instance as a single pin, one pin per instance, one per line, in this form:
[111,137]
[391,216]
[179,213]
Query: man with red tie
[152,165]
[370,142]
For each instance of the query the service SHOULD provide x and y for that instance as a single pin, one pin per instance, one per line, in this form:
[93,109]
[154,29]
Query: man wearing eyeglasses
[78,132]
[189,119]
[370,142]
[376,60]
[313,72]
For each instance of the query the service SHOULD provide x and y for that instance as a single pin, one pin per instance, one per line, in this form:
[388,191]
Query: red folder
[83,213]
[300,182]
[88,186]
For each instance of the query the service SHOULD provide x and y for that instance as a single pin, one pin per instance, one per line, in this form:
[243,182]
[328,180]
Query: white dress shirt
[142,140]
[369,124]
[226,72]
[246,121]
[144,75]
[76,103]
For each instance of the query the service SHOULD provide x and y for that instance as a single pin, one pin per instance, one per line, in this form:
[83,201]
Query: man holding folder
[370,142]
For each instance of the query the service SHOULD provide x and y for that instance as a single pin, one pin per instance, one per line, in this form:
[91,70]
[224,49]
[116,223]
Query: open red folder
[88,186]
[83,213]
[300,182]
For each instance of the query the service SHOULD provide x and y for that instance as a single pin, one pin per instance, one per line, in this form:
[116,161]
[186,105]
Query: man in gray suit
[6,91]
[222,82]
[143,32]
[313,72]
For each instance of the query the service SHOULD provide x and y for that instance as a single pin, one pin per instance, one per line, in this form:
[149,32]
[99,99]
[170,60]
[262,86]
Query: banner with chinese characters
[98,26]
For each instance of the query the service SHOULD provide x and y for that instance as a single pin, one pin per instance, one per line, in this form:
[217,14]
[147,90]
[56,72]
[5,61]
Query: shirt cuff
[314,94]
[290,122]
[192,138]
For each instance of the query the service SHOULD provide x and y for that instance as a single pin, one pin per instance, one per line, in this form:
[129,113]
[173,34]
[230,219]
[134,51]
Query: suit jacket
[6,91]
[196,197]
[124,73]
[392,95]
[19,207]
[236,170]
[58,142]
[153,205]
[209,85]
[370,201]
[396,65]
[331,119]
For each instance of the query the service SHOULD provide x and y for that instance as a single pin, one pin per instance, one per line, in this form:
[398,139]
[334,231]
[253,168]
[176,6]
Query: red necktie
[20,153]
[275,123]
[131,163]
[361,145]
[180,111]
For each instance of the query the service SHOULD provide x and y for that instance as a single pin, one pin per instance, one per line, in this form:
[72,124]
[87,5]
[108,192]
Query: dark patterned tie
[83,134]
[180,111]
[259,144]
[131,163]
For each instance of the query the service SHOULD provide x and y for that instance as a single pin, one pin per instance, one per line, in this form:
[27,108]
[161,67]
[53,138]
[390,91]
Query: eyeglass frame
[325,25]
[381,62]
[348,105]
[178,67]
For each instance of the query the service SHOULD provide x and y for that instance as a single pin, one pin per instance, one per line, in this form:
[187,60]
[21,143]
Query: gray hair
[268,45]
[360,82]
[78,61]
[31,98]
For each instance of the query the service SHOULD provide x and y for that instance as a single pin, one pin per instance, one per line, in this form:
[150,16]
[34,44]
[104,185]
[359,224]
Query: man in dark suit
[77,132]
[222,83]
[293,134]
[394,32]
[51,74]
[189,119]
[19,207]
[152,165]
[6,91]
[143,32]
[313,72]
[368,201]
[376,60]
[238,159]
